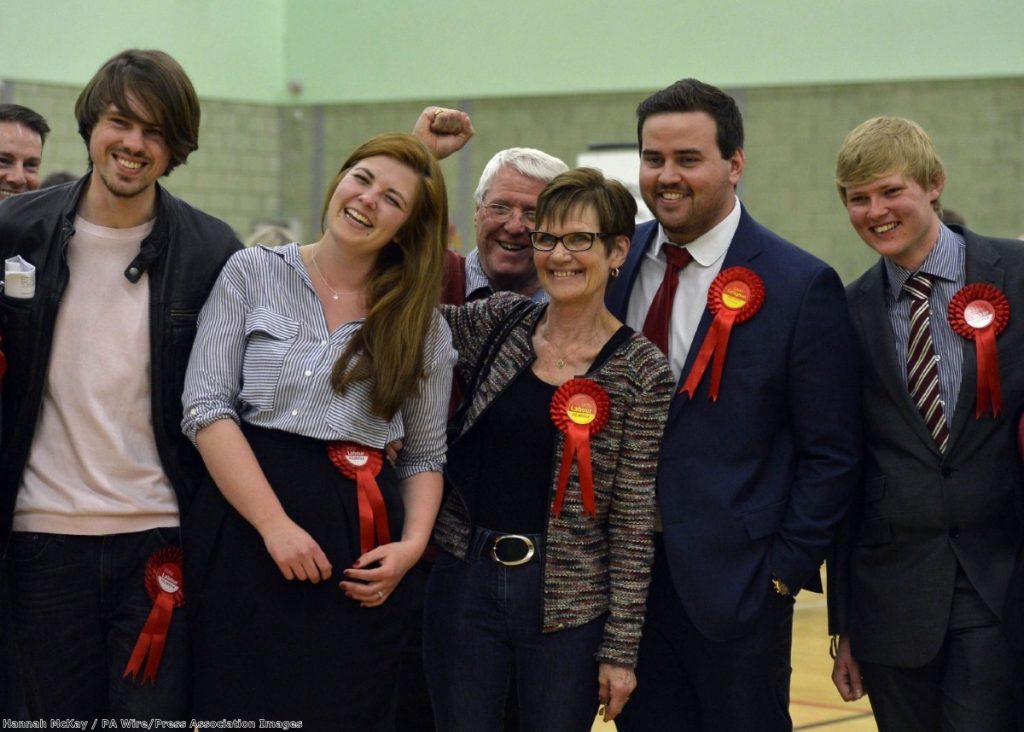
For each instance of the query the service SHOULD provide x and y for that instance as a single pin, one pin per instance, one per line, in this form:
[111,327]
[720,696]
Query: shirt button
[323,343]
[937,358]
[295,412]
[193,412]
[308,372]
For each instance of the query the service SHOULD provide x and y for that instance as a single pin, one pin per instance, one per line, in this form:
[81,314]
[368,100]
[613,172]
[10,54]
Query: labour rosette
[979,312]
[734,297]
[163,580]
[579,408]
[362,464]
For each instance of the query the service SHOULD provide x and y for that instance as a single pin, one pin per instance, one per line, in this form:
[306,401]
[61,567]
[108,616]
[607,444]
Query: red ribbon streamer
[735,295]
[979,312]
[163,578]
[579,408]
[362,464]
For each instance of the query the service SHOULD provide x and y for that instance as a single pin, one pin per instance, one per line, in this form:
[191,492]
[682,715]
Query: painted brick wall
[259,162]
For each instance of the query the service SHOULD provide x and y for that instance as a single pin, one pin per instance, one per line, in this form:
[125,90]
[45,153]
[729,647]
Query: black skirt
[265,647]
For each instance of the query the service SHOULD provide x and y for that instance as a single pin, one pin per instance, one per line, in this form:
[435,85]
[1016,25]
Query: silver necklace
[335,294]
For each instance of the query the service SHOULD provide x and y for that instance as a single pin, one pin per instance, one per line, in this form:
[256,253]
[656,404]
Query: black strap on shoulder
[488,353]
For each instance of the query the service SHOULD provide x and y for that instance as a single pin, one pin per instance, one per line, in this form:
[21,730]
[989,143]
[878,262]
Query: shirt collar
[475,278]
[710,246]
[945,261]
[478,285]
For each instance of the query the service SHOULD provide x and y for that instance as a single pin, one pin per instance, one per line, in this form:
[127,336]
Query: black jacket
[183,256]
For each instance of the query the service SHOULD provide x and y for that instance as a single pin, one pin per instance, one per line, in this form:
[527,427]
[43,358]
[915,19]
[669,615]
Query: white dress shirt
[691,296]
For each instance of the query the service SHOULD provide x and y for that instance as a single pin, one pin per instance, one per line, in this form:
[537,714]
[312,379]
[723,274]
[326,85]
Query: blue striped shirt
[477,282]
[946,263]
[263,354]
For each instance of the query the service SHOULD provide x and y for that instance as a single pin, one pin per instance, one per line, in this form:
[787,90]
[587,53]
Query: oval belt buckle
[515,562]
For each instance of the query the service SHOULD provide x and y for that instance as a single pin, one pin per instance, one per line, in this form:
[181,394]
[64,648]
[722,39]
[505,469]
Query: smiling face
[21,150]
[505,252]
[684,180]
[128,152]
[578,277]
[371,203]
[894,216]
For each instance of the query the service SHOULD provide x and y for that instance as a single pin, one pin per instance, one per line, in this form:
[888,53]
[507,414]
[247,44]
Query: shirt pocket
[16,323]
[269,337]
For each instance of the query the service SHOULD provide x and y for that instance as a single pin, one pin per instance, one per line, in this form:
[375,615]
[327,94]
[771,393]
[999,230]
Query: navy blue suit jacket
[755,483]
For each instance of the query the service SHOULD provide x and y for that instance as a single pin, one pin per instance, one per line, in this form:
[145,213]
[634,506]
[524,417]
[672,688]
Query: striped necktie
[922,363]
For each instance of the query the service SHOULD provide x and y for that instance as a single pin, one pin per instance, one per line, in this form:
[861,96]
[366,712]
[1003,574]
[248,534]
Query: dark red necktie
[658,317]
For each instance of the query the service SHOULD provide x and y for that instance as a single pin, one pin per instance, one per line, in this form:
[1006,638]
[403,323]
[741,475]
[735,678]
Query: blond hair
[885,145]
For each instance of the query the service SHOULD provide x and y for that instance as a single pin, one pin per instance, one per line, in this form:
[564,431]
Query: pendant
[334,297]
[560,363]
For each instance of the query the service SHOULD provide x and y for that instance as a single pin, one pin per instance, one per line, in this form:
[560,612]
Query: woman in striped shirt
[307,362]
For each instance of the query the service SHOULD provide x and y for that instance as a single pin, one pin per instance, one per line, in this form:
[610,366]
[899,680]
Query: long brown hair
[405,285]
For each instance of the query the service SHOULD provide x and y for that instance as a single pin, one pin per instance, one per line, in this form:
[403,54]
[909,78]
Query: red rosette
[979,312]
[362,464]
[163,580]
[734,297]
[579,408]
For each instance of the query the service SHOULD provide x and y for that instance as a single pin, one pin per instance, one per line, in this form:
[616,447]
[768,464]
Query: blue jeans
[78,605]
[480,618]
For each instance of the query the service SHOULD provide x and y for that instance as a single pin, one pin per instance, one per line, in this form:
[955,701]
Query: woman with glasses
[548,521]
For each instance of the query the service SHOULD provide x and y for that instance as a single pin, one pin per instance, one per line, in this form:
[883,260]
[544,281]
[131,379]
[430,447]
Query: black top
[511,492]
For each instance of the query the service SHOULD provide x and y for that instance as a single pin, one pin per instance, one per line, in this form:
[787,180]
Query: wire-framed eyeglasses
[574,241]
[502,213]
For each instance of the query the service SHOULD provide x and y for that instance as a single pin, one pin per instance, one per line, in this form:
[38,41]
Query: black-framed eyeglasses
[501,212]
[574,241]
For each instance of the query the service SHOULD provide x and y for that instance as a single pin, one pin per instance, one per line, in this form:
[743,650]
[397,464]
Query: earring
[614,272]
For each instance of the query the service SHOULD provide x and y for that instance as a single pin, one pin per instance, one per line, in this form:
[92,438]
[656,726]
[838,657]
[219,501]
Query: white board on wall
[623,164]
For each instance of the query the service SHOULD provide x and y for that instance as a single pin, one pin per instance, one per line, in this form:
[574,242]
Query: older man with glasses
[506,203]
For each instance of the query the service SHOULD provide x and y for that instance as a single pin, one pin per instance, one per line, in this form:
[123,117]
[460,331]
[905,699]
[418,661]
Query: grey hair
[526,161]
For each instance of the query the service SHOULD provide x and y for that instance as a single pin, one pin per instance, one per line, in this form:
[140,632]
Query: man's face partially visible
[21,151]
[501,236]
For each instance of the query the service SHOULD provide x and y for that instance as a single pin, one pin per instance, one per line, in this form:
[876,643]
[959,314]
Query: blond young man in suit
[920,574]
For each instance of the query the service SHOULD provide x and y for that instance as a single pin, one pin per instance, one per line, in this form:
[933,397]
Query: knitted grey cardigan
[591,565]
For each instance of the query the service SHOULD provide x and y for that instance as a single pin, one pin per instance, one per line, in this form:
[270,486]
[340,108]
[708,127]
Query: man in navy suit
[757,465]
[919,581]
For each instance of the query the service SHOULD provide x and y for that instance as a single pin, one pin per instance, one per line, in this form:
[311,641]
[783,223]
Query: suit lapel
[880,345]
[744,248]
[982,265]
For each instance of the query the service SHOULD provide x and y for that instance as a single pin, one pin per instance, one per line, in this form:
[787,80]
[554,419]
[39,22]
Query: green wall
[556,77]
[343,51]
[258,162]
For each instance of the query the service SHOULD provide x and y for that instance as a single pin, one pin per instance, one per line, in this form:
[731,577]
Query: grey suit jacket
[919,513]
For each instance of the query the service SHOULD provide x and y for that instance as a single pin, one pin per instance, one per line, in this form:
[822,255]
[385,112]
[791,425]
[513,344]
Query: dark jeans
[12,699]
[78,605]
[480,619]
[687,682]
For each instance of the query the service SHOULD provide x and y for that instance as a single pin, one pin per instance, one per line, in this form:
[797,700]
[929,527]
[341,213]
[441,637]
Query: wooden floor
[814,703]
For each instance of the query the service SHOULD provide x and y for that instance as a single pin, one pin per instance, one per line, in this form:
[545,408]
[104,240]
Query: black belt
[510,550]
